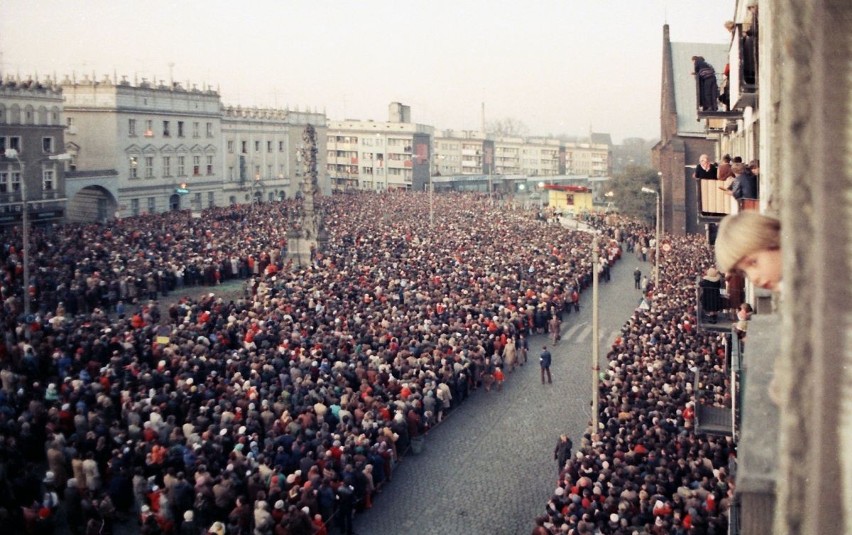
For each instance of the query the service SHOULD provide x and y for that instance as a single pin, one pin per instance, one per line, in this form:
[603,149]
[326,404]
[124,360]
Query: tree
[507,127]
[626,188]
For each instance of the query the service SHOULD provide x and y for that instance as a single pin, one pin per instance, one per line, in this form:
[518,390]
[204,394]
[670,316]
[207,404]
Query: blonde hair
[745,233]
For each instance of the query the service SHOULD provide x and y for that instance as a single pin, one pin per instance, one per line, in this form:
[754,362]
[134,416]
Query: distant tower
[307,234]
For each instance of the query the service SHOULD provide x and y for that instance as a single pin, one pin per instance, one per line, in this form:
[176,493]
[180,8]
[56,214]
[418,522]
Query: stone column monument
[307,235]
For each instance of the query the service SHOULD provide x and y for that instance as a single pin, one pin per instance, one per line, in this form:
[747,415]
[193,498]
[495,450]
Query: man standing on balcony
[704,169]
[708,91]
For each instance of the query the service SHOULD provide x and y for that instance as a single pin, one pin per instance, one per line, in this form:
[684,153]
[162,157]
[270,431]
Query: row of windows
[174,203]
[147,164]
[10,181]
[232,173]
[244,146]
[31,116]
[14,142]
[167,131]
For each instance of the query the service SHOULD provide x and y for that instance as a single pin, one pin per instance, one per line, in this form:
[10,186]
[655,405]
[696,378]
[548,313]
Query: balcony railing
[744,67]
[714,201]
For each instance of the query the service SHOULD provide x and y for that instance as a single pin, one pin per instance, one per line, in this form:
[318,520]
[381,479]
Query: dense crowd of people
[646,470]
[273,413]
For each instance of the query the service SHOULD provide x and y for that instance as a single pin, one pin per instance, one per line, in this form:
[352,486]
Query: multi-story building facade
[158,145]
[508,155]
[261,153]
[543,157]
[31,128]
[463,153]
[590,159]
[379,155]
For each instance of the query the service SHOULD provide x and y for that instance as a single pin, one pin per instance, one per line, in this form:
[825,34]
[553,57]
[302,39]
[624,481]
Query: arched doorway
[258,197]
[174,202]
[92,204]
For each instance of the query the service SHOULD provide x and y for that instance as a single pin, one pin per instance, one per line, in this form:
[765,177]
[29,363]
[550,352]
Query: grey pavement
[489,468]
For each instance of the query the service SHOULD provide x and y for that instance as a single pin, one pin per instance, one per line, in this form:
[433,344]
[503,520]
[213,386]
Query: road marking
[570,332]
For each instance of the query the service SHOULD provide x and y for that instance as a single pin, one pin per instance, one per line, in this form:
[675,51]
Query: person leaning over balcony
[751,242]
[704,170]
[745,183]
[708,90]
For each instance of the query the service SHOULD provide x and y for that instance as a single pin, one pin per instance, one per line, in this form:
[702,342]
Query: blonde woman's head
[751,242]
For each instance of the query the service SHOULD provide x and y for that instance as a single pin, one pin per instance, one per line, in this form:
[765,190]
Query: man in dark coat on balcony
[708,91]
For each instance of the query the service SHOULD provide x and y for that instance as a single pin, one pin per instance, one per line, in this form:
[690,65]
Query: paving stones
[489,468]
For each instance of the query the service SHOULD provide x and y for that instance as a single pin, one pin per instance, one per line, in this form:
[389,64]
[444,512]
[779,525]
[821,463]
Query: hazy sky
[557,66]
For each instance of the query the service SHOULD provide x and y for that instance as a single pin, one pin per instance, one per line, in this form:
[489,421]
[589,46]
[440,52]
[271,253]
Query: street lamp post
[657,260]
[12,154]
[595,337]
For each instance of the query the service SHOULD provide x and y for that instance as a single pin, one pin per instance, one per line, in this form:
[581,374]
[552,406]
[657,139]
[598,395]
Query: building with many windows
[463,152]
[31,145]
[379,155]
[143,147]
[261,153]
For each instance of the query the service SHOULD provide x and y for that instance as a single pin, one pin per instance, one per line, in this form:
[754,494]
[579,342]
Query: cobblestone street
[489,467]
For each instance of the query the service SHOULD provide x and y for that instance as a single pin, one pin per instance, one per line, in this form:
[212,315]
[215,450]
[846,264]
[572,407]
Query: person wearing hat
[711,297]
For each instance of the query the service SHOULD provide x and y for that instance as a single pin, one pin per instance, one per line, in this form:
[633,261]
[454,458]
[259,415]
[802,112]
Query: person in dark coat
[711,297]
[562,452]
[708,90]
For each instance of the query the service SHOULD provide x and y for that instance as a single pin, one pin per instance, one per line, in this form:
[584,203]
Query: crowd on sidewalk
[645,470]
[272,413]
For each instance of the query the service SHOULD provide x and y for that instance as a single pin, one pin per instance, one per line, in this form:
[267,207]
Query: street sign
[181,191]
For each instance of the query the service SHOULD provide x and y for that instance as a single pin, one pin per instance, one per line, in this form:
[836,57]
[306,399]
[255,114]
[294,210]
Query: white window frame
[167,166]
[149,167]
[48,179]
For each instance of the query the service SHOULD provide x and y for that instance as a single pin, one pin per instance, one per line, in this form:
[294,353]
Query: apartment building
[463,152]
[261,153]
[147,146]
[31,147]
[379,156]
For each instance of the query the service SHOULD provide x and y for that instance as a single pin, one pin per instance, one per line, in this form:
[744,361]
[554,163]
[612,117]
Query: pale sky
[557,66]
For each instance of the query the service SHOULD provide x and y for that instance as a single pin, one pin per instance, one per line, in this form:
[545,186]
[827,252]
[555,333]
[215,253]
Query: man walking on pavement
[544,360]
[637,278]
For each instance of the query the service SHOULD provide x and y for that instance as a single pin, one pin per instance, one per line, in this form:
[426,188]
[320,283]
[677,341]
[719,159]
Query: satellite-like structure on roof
[307,235]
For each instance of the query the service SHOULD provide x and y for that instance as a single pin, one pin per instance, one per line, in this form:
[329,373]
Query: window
[244,147]
[257,172]
[134,206]
[2,144]
[230,146]
[167,166]
[16,181]
[131,127]
[196,165]
[280,146]
[209,165]
[231,173]
[268,146]
[268,171]
[134,163]
[47,144]
[181,171]
[152,205]
[211,199]
[47,179]
[180,129]
[195,129]
[149,167]
[149,128]
[257,146]
[166,132]
[209,129]
[196,202]
[4,182]
[15,143]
